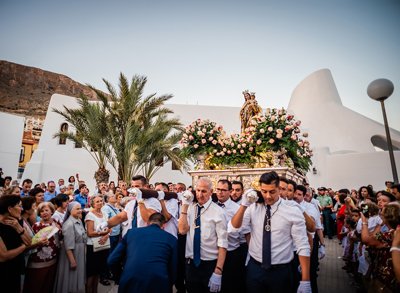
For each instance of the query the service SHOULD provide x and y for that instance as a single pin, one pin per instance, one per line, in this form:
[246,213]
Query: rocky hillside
[27,90]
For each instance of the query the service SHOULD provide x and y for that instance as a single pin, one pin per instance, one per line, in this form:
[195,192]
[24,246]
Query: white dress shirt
[234,239]
[213,230]
[311,211]
[287,226]
[173,209]
[317,205]
[150,203]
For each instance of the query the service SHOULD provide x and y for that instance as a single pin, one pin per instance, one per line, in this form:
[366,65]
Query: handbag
[99,247]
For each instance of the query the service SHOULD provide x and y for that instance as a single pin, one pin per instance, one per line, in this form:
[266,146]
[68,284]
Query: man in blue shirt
[82,196]
[51,191]
[26,187]
[151,258]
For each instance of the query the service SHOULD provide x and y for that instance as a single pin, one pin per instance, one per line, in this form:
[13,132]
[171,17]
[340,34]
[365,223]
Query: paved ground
[332,279]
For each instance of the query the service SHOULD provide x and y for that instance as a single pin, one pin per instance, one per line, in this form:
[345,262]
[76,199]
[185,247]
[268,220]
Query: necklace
[194,222]
[268,226]
[99,214]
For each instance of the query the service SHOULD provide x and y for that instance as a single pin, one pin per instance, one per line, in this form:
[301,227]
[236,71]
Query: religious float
[269,141]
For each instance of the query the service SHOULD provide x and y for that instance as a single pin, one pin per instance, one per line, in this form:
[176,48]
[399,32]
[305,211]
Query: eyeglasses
[222,190]
[52,186]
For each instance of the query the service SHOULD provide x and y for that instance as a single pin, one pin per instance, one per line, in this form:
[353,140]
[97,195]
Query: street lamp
[380,90]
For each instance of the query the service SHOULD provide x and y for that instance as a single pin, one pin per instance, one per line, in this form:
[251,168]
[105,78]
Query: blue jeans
[272,280]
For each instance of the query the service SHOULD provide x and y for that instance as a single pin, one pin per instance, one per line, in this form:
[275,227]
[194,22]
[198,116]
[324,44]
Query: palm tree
[163,136]
[89,121]
[132,133]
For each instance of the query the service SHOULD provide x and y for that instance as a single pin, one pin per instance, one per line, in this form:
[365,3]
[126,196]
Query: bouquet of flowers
[279,132]
[200,136]
[272,136]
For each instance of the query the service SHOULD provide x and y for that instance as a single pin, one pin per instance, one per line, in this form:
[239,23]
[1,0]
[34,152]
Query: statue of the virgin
[249,109]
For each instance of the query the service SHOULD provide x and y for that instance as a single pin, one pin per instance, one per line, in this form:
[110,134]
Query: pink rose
[250,149]
[258,142]
[242,151]
[270,129]
[203,141]
[229,152]
[293,137]
[279,135]
[262,130]
[234,151]
[273,118]
[196,146]
[271,141]
[224,149]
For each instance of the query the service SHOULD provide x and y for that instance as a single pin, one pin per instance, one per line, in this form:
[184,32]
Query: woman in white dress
[71,270]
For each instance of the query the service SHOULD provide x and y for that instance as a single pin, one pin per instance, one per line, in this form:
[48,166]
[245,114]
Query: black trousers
[277,279]
[233,274]
[294,266]
[181,267]
[197,278]
[314,264]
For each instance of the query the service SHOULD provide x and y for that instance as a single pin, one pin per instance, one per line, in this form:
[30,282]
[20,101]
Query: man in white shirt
[137,211]
[234,268]
[275,228]
[169,208]
[60,183]
[237,192]
[310,209]
[283,187]
[207,239]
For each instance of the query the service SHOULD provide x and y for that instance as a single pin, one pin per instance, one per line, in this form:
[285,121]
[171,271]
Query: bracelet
[219,269]
[365,224]
[394,248]
[22,233]
[182,213]
[142,201]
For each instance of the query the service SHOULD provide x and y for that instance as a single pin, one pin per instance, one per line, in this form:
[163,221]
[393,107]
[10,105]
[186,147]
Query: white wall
[340,137]
[11,133]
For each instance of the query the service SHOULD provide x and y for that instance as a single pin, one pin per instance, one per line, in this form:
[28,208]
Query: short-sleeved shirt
[111,212]
[150,203]
[97,221]
[172,225]
[48,195]
[325,200]
[83,200]
[50,251]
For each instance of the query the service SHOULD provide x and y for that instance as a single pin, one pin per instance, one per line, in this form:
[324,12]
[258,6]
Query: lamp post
[380,90]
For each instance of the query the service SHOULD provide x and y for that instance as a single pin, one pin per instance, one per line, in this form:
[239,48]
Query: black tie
[266,256]
[221,204]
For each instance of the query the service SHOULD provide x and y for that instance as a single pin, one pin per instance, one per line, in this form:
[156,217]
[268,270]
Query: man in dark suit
[151,258]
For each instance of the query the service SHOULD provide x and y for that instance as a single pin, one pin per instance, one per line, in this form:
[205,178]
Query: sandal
[105,283]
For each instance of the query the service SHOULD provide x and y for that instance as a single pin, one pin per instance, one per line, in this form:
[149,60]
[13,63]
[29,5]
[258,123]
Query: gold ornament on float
[256,184]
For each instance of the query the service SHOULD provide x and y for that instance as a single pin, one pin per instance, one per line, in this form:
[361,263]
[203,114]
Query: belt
[273,267]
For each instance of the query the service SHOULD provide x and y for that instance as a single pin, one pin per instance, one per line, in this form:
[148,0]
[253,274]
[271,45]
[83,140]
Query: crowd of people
[203,239]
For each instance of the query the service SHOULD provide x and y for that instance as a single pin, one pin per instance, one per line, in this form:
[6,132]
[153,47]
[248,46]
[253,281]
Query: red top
[50,251]
[341,213]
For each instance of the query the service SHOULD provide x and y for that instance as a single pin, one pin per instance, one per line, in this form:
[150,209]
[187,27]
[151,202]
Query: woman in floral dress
[42,264]
[382,241]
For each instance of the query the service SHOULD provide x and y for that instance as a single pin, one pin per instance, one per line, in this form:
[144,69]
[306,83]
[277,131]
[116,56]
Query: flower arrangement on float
[272,140]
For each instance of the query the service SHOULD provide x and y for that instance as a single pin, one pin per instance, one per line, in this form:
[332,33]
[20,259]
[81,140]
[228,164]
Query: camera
[364,209]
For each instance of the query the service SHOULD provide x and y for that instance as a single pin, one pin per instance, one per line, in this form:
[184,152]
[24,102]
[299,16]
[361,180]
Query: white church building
[346,149]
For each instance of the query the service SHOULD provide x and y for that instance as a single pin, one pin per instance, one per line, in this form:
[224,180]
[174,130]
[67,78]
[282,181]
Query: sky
[208,52]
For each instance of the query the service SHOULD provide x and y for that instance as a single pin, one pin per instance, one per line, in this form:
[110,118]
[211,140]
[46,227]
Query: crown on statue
[245,92]
[252,94]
